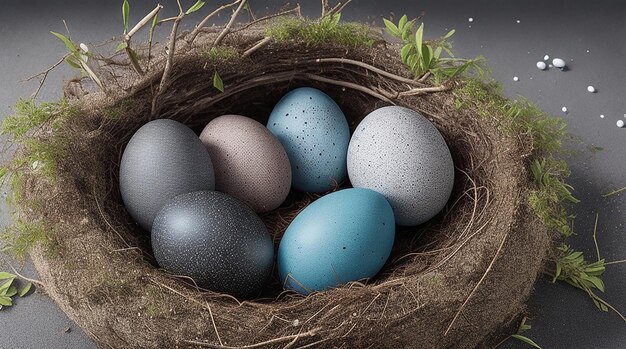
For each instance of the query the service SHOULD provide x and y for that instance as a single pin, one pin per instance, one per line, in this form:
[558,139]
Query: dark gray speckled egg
[216,240]
[163,159]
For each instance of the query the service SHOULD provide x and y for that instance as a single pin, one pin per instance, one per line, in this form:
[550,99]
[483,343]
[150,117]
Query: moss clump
[326,31]
[218,54]
[20,237]
[28,115]
[522,117]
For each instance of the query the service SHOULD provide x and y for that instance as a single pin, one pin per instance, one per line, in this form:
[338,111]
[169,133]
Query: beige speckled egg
[249,161]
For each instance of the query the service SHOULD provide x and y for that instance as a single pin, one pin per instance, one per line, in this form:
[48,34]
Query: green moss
[548,133]
[314,32]
[20,237]
[154,298]
[218,54]
[27,115]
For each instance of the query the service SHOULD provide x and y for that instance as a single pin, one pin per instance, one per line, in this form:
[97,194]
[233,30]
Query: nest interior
[454,282]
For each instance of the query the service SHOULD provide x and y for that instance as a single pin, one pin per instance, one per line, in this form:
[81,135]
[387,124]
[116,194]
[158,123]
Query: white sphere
[541,65]
[591,89]
[564,109]
[559,63]
[620,123]
[470,19]
[546,57]
[515,78]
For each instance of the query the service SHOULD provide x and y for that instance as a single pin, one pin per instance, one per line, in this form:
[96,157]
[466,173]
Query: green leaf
[5,286]
[391,28]
[71,60]
[125,13]
[427,56]
[24,291]
[5,275]
[450,33]
[406,50]
[335,19]
[120,47]
[6,301]
[419,37]
[402,23]
[526,340]
[12,291]
[217,82]
[198,5]
[437,53]
[406,31]
[70,45]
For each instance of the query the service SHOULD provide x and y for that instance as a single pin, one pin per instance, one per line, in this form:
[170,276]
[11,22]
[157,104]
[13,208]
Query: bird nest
[456,281]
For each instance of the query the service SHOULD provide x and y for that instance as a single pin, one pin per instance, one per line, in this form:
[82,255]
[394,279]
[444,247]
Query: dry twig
[293,338]
[226,29]
[196,31]
[45,75]
[128,36]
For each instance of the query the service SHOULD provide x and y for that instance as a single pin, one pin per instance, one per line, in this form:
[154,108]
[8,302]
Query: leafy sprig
[8,289]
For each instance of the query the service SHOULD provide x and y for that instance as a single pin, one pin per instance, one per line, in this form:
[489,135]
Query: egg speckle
[344,236]
[163,159]
[216,240]
[250,163]
[400,154]
[315,134]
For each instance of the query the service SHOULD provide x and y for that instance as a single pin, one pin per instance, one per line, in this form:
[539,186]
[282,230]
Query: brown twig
[325,8]
[171,48]
[368,67]
[338,8]
[213,322]
[196,31]
[257,46]
[128,36]
[296,10]
[33,281]
[595,231]
[422,90]
[348,85]
[307,334]
[226,29]
[45,75]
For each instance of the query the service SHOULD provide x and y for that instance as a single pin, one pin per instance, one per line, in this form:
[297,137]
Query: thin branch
[595,231]
[348,85]
[230,24]
[257,46]
[296,10]
[615,262]
[614,192]
[196,31]
[337,8]
[325,8]
[368,67]
[214,327]
[423,90]
[495,257]
[45,75]
[424,77]
[171,48]
[128,36]
[33,281]
[308,334]
[91,74]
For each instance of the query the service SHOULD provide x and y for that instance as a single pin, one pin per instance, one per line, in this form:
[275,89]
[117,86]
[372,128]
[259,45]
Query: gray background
[562,317]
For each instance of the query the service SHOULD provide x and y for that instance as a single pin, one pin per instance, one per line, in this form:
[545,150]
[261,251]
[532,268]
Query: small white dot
[469,26]
[591,89]
[470,19]
[602,116]
[546,57]
[587,51]
[620,123]
[541,65]
[518,21]
[564,109]
[515,78]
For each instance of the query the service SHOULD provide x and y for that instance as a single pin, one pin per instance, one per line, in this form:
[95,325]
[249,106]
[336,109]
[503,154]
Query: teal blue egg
[344,236]
[315,134]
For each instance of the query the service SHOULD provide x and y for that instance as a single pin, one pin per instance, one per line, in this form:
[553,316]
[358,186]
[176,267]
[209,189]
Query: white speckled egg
[163,159]
[250,163]
[315,134]
[400,154]
[216,240]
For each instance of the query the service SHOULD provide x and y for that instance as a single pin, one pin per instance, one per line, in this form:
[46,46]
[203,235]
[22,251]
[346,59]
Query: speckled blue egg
[344,236]
[216,240]
[315,135]
[163,159]
[400,154]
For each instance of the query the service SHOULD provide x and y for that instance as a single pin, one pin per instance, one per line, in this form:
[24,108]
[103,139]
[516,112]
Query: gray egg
[216,240]
[163,159]
[400,154]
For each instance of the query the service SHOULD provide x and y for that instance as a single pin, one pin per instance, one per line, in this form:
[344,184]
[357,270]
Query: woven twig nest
[454,282]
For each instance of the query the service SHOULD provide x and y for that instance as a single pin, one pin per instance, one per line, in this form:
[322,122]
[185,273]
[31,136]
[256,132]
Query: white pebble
[470,19]
[518,21]
[620,123]
[587,51]
[602,116]
[546,57]
[559,63]
[515,78]
[564,109]
[541,65]
[84,47]
[591,89]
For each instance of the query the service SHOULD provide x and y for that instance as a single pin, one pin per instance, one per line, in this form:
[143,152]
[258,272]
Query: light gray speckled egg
[400,154]
[163,159]
[216,240]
